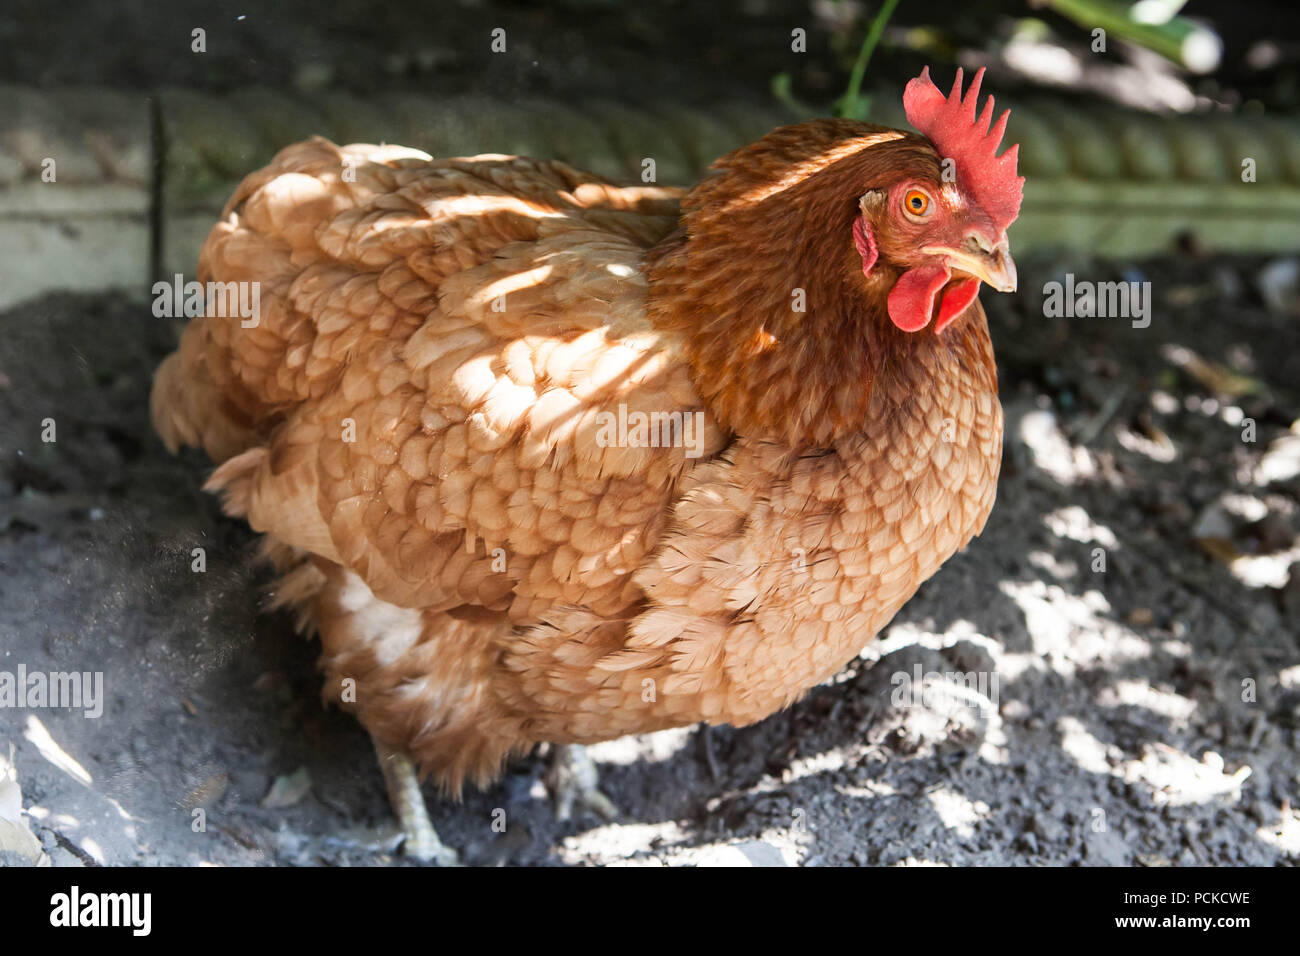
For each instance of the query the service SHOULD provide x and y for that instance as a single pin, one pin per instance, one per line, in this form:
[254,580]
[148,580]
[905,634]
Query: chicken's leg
[404,794]
[573,781]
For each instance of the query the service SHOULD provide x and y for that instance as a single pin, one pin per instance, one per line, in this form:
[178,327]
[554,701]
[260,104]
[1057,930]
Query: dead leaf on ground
[288,789]
[1214,377]
[15,835]
[207,793]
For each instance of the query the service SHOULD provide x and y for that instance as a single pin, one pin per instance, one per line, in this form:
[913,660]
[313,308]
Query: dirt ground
[1147,706]
[1147,713]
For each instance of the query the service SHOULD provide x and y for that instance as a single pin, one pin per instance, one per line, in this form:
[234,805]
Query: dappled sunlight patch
[1085,749]
[1012,666]
[657,747]
[907,633]
[1051,451]
[827,761]
[798,172]
[1074,523]
[61,821]
[1264,570]
[1050,564]
[15,836]
[912,861]
[957,811]
[930,688]
[1008,664]
[1178,779]
[867,790]
[1172,777]
[1070,630]
[40,738]
[617,841]
[633,844]
[1139,693]
[89,845]
[897,636]
[1228,529]
[1282,460]
[1284,835]
[1229,506]
[513,282]
[775,849]
[933,701]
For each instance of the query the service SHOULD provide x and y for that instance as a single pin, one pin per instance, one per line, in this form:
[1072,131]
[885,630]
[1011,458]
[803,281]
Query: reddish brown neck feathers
[786,336]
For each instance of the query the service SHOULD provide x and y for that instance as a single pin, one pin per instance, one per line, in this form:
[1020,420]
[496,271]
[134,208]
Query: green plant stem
[849,102]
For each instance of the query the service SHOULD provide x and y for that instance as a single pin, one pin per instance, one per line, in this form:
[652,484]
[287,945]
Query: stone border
[139,178]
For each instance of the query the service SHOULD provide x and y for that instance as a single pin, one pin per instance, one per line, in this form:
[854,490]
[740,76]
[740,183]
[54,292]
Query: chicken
[541,458]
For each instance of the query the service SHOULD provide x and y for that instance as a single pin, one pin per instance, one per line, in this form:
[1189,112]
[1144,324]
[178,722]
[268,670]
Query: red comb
[950,124]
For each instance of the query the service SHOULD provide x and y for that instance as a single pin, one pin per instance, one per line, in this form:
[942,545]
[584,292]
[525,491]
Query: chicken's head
[814,267]
[943,227]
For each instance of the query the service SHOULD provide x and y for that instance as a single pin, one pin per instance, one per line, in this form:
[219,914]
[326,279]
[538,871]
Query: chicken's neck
[800,350]
[787,339]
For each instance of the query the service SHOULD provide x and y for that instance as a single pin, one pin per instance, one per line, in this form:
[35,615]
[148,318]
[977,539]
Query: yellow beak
[990,265]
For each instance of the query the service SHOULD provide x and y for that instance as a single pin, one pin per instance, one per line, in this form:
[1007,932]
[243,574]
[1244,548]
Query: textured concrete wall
[133,173]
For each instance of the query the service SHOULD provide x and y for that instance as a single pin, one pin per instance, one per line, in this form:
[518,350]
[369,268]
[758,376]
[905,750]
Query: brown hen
[544,458]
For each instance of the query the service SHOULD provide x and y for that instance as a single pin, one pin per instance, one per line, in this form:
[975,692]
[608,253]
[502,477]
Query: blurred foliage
[1154,24]
[854,32]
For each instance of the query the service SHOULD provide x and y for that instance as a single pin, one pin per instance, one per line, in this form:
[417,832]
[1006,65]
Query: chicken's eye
[916,202]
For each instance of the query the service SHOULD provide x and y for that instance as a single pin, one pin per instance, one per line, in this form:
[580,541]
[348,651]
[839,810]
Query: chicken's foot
[573,781]
[404,794]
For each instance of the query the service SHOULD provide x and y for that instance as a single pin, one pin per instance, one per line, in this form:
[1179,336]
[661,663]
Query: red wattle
[865,243]
[911,301]
[959,295]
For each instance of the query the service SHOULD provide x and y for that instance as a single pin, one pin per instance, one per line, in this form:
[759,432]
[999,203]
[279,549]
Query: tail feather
[187,407]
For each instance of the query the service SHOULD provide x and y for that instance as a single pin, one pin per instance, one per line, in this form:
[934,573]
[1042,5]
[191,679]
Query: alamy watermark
[178,298]
[75,690]
[133,911]
[937,691]
[1105,300]
[626,429]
